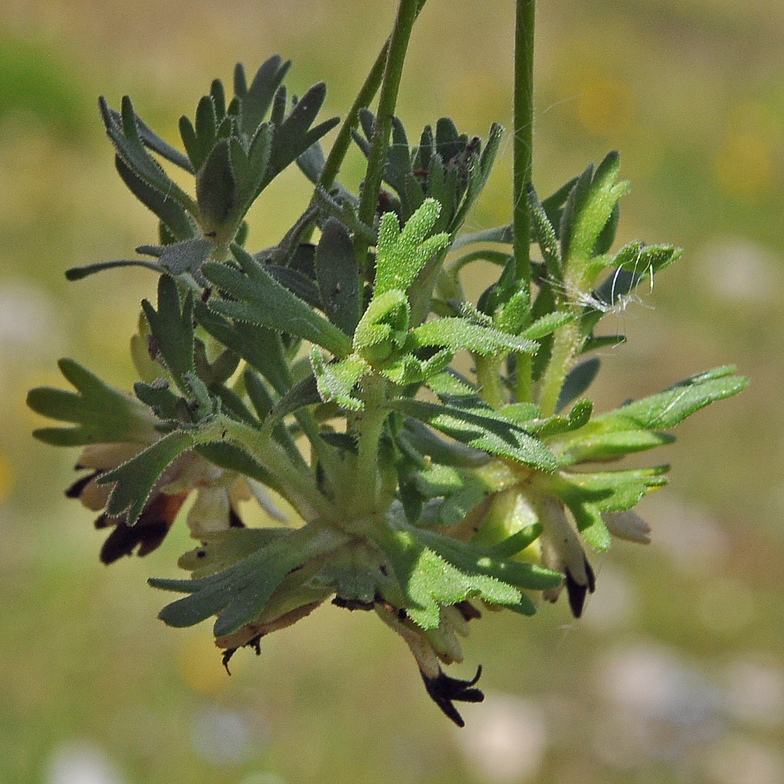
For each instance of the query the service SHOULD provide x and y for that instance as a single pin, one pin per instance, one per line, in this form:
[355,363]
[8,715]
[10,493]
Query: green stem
[364,97]
[370,427]
[299,486]
[343,139]
[523,152]
[488,377]
[398,45]
[566,343]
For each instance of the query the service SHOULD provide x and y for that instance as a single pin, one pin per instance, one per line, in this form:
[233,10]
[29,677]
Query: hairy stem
[366,94]
[523,151]
[299,486]
[393,71]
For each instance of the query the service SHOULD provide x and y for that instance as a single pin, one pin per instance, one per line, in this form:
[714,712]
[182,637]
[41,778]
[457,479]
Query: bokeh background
[675,673]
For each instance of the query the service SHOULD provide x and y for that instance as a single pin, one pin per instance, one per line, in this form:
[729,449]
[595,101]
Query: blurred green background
[675,673]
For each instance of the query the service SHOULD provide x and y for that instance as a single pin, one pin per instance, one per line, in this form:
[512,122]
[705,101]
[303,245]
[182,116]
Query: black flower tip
[444,690]
[577,591]
[148,533]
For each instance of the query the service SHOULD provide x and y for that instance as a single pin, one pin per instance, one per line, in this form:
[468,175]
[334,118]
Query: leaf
[610,446]
[297,283]
[484,431]
[216,188]
[588,495]
[259,346]
[171,212]
[240,592]
[337,275]
[221,549]
[123,130]
[588,209]
[181,257]
[577,381]
[134,480]
[261,300]
[172,329]
[101,414]
[464,556]
[429,582]
[545,235]
[666,409]
[402,254]
[336,380]
[479,172]
[256,100]
[501,234]
[460,333]
[451,453]
[293,136]
[79,273]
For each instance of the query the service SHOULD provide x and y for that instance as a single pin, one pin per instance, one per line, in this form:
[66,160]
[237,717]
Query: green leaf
[666,409]
[240,592]
[101,414]
[610,446]
[479,172]
[383,329]
[451,453]
[259,299]
[221,549]
[468,557]
[256,100]
[485,431]
[430,582]
[123,130]
[259,346]
[172,329]
[460,333]
[232,458]
[181,257]
[402,254]
[336,380]
[293,136]
[588,495]
[577,381]
[171,212]
[216,188]
[588,209]
[547,324]
[79,273]
[337,274]
[545,235]
[134,480]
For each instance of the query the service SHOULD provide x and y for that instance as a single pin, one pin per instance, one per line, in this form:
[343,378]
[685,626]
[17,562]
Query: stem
[488,377]
[523,156]
[371,425]
[299,486]
[343,139]
[398,44]
[566,344]
[365,96]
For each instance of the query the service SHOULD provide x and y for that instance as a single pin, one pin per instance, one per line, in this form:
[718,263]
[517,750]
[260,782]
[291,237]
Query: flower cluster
[322,373]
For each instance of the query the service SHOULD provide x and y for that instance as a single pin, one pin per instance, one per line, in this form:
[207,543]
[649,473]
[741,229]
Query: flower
[219,493]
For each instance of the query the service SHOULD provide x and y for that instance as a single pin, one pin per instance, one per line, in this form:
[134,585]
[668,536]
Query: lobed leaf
[258,298]
[101,413]
[134,480]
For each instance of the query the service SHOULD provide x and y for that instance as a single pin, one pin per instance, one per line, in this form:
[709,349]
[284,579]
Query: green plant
[322,373]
